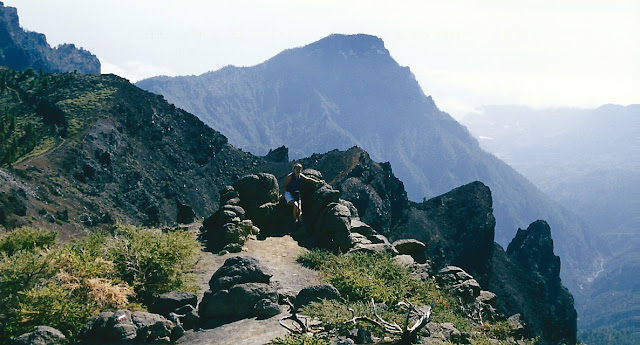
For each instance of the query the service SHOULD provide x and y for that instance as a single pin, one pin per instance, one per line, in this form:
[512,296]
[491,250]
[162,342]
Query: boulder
[170,301]
[124,326]
[266,308]
[42,335]
[316,293]
[332,229]
[444,331]
[238,270]
[187,316]
[374,243]
[255,190]
[151,326]
[404,260]
[238,301]
[411,247]
[516,325]
[487,297]
[360,227]
[459,282]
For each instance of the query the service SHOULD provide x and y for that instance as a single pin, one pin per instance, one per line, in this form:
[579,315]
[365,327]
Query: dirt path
[279,255]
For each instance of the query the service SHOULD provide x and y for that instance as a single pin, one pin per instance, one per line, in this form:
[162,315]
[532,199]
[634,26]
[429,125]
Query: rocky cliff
[21,49]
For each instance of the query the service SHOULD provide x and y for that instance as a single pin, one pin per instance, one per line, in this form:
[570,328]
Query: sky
[465,54]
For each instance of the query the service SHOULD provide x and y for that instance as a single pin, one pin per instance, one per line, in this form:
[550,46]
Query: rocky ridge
[21,49]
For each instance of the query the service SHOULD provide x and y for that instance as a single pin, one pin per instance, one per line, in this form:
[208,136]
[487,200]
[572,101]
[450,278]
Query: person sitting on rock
[291,190]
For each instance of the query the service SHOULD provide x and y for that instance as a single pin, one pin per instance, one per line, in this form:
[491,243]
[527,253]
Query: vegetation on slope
[42,283]
[361,277]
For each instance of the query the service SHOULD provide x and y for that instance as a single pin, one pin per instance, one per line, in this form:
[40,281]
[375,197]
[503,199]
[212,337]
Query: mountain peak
[359,43]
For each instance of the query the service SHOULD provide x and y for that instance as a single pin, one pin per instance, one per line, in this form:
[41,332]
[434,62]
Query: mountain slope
[347,90]
[588,160]
[21,49]
[94,149]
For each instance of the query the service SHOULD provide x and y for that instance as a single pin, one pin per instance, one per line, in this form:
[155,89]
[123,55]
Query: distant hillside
[588,160]
[95,149]
[347,90]
[21,49]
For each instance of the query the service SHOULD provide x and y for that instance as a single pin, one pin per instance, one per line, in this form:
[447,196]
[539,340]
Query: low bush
[154,262]
[26,238]
[62,286]
[361,277]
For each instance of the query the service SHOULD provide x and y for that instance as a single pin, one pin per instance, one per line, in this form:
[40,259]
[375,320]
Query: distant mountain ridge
[346,90]
[21,49]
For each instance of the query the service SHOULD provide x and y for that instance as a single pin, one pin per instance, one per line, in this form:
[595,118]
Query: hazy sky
[464,53]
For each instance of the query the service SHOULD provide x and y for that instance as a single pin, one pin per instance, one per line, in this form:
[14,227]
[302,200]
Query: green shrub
[21,272]
[154,262]
[26,238]
[315,258]
[63,286]
[363,276]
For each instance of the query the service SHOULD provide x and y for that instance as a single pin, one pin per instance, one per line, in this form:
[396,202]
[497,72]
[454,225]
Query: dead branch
[303,327]
[408,333]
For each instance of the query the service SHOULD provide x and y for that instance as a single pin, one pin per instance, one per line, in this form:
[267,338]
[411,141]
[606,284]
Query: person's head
[297,168]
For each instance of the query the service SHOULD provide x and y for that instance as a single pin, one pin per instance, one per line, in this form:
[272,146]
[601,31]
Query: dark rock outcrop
[238,290]
[316,293]
[123,326]
[42,335]
[20,49]
[532,249]
[459,282]
[170,301]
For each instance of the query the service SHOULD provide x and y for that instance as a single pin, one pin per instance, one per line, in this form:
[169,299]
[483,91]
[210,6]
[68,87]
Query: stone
[385,248]
[237,270]
[236,302]
[316,293]
[459,282]
[255,190]
[411,247]
[188,316]
[360,227]
[233,248]
[170,301]
[516,325]
[42,335]
[151,326]
[404,260]
[444,331]
[487,297]
[360,336]
[266,308]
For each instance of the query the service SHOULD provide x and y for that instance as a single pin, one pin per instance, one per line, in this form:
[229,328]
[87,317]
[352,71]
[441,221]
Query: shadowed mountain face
[347,90]
[20,49]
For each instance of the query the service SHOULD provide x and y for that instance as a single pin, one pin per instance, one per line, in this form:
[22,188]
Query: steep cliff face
[536,270]
[20,49]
